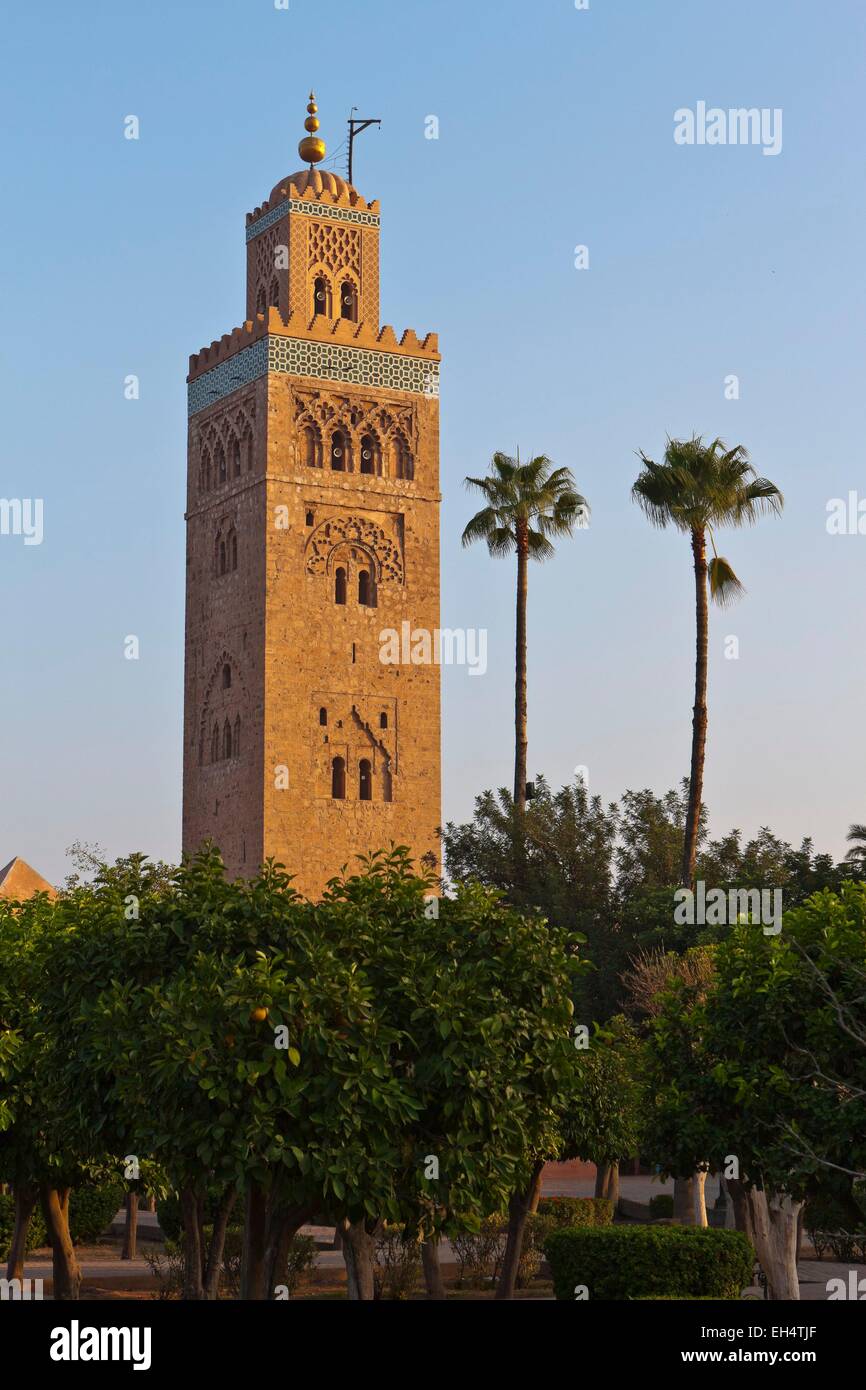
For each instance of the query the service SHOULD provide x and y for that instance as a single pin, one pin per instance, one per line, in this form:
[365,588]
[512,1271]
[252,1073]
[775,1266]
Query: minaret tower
[312,532]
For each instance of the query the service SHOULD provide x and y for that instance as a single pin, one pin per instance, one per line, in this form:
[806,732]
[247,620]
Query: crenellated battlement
[295,188]
[316,330]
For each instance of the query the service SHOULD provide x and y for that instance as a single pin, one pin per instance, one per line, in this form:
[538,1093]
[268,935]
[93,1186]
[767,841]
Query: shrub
[300,1260]
[623,1262]
[478,1253]
[577,1211]
[538,1227]
[829,1225]
[301,1263]
[167,1268]
[395,1264]
[168,1215]
[661,1206]
[92,1209]
[36,1233]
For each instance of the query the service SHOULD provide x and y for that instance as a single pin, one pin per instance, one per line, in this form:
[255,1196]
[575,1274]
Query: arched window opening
[233,550]
[323,715]
[274,295]
[321,296]
[310,518]
[383,720]
[340,586]
[366,589]
[236,744]
[220,464]
[387,784]
[208,472]
[338,779]
[227,677]
[365,780]
[261,300]
[236,457]
[227,739]
[403,466]
[369,455]
[339,452]
[222,562]
[248,451]
[312,448]
[215,744]
[349,301]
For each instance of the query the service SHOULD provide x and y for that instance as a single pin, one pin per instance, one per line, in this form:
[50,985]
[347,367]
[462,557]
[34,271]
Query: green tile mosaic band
[323,361]
[308,209]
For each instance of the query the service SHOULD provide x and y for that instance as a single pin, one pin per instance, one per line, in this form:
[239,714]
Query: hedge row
[625,1262]
[577,1211]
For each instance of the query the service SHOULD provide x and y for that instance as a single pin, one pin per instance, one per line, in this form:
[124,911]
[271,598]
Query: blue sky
[555,129]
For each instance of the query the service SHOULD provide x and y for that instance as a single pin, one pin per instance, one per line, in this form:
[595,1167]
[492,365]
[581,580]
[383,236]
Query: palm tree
[857,852]
[699,487]
[526,505]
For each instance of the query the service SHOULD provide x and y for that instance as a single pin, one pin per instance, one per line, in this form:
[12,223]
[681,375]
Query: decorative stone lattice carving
[232,431]
[334,247]
[265,267]
[338,531]
[357,417]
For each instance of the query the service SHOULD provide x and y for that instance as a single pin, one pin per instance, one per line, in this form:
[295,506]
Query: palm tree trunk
[699,713]
[520,672]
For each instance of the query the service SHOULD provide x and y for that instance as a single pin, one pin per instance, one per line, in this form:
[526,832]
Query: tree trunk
[684,1200]
[611,1190]
[699,712]
[282,1226]
[193,1289]
[737,1194]
[518,1211]
[432,1271]
[358,1247]
[130,1231]
[213,1266]
[65,1269]
[253,1258]
[602,1171]
[520,739]
[26,1197]
[773,1222]
[699,1183]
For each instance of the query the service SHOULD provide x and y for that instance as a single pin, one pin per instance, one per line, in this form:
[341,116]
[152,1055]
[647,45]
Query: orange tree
[55,1131]
[353,1058]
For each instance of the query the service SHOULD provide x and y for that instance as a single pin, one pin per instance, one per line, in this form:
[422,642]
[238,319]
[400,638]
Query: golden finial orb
[312,148]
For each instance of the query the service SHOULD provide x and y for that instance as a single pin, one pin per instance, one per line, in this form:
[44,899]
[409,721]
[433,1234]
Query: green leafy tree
[769,1069]
[603,1122]
[696,489]
[527,506]
[563,871]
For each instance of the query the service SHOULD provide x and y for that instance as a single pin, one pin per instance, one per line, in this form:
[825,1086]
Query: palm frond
[533,496]
[539,546]
[725,587]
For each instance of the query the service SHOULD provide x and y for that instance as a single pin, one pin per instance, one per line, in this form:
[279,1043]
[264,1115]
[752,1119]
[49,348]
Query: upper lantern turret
[313,247]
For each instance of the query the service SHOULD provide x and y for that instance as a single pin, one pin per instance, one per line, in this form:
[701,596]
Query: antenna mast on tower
[356,125]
